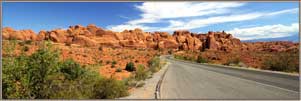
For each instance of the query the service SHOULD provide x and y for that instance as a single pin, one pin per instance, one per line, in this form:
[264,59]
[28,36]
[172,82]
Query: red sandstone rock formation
[9,33]
[137,38]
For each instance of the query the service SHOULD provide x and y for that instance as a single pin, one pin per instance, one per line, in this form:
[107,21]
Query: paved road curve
[184,80]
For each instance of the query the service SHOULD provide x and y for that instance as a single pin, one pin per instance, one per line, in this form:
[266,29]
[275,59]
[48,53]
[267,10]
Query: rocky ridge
[92,35]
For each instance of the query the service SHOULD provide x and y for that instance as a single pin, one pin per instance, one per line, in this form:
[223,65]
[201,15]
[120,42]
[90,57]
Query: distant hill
[294,38]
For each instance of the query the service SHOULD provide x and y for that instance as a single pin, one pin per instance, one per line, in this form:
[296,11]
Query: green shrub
[41,64]
[200,59]
[179,57]
[29,42]
[118,69]
[130,67]
[43,76]
[100,48]
[21,43]
[110,88]
[108,62]
[13,79]
[25,48]
[99,62]
[113,63]
[154,64]
[13,69]
[141,74]
[130,82]
[71,69]
[283,62]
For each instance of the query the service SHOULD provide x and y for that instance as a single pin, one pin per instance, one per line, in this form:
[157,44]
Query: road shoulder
[240,68]
[149,89]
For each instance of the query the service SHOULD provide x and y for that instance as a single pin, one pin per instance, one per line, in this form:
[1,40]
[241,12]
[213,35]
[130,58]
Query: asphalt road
[184,80]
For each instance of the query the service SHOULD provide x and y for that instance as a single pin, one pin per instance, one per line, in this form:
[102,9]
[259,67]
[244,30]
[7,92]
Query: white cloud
[144,20]
[202,22]
[191,15]
[294,10]
[154,11]
[122,27]
[267,31]
[175,23]
[197,23]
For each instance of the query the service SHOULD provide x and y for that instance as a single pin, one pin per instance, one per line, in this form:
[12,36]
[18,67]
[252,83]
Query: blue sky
[245,20]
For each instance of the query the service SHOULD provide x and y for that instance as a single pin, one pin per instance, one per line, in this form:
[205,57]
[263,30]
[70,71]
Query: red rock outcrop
[84,41]
[9,33]
[92,35]
[276,46]
[42,35]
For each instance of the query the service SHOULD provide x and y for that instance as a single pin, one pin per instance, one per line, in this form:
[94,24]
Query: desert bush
[71,69]
[170,51]
[29,42]
[41,64]
[232,60]
[283,62]
[67,44]
[130,67]
[21,43]
[130,81]
[100,48]
[200,59]
[183,57]
[108,62]
[118,69]
[25,48]
[178,57]
[141,73]
[154,64]
[13,79]
[43,76]
[99,61]
[110,88]
[113,63]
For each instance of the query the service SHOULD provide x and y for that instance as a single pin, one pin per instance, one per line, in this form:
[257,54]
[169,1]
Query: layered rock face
[92,35]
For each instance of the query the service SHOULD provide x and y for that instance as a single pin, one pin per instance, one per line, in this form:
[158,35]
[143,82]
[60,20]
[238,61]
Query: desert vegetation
[142,73]
[201,59]
[275,61]
[282,62]
[43,75]
[130,67]
[42,71]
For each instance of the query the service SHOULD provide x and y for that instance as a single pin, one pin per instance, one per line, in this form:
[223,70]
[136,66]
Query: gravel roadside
[148,90]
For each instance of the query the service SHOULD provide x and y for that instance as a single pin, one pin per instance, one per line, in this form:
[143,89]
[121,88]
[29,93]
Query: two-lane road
[185,80]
